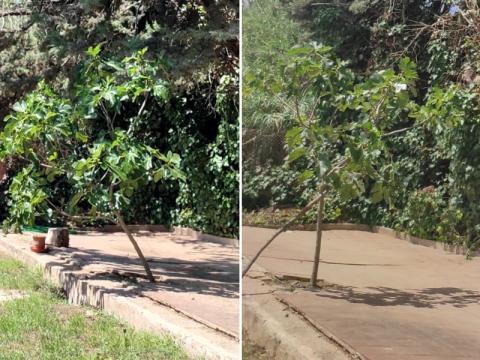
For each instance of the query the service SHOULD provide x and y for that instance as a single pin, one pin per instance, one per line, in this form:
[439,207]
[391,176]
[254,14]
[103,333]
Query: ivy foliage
[92,152]
[103,169]
[422,117]
[191,69]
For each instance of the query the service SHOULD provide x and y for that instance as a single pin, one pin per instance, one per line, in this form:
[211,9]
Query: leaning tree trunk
[318,245]
[127,231]
[284,228]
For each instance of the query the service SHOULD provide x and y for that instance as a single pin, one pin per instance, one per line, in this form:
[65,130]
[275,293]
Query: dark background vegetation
[436,194]
[199,42]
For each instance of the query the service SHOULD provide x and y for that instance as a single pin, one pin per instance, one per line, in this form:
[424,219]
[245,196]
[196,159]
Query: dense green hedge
[198,43]
[205,132]
[435,192]
[114,101]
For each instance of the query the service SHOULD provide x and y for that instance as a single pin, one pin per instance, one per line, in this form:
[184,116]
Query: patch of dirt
[65,311]
[274,218]
[6,295]
[252,351]
[290,282]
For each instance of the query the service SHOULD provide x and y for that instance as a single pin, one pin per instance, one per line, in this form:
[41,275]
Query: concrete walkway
[195,297]
[385,298]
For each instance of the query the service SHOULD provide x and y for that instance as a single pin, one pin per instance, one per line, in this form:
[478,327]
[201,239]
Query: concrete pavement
[384,297]
[195,298]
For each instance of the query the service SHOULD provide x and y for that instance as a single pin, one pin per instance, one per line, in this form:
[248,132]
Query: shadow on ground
[218,278]
[325,262]
[385,296]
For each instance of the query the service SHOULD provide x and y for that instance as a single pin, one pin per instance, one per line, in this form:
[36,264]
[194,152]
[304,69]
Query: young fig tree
[339,127]
[75,147]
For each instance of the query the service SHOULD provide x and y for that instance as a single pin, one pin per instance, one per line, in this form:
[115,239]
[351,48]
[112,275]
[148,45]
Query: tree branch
[77,217]
[396,132]
[284,228]
[120,221]
[18,12]
[143,106]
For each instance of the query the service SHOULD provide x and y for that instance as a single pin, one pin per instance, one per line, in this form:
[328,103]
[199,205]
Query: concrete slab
[195,298]
[386,298]
[277,329]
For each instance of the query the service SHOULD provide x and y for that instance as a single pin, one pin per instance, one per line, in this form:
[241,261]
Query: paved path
[386,298]
[196,279]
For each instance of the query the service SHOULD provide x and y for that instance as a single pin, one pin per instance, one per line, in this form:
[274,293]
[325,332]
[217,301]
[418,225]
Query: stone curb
[268,327]
[116,228]
[197,340]
[198,235]
[451,248]
[177,230]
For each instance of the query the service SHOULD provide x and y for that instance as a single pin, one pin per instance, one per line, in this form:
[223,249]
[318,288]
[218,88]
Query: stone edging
[117,228]
[198,235]
[271,327]
[451,248]
[177,230]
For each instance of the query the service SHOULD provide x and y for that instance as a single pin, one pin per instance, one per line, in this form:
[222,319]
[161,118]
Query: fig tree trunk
[284,228]
[127,231]
[318,244]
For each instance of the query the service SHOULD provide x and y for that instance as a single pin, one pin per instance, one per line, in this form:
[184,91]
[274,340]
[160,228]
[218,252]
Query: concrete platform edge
[269,327]
[196,339]
[198,235]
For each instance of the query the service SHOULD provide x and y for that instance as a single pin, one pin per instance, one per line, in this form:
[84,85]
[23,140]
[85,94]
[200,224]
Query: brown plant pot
[38,250]
[38,243]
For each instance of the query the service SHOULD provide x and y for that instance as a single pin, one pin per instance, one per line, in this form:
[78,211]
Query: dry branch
[18,12]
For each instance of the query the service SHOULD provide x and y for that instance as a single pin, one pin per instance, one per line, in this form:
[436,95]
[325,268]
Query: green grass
[43,326]
[15,275]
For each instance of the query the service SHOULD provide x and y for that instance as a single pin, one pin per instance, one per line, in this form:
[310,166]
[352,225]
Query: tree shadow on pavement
[385,296]
[216,277]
